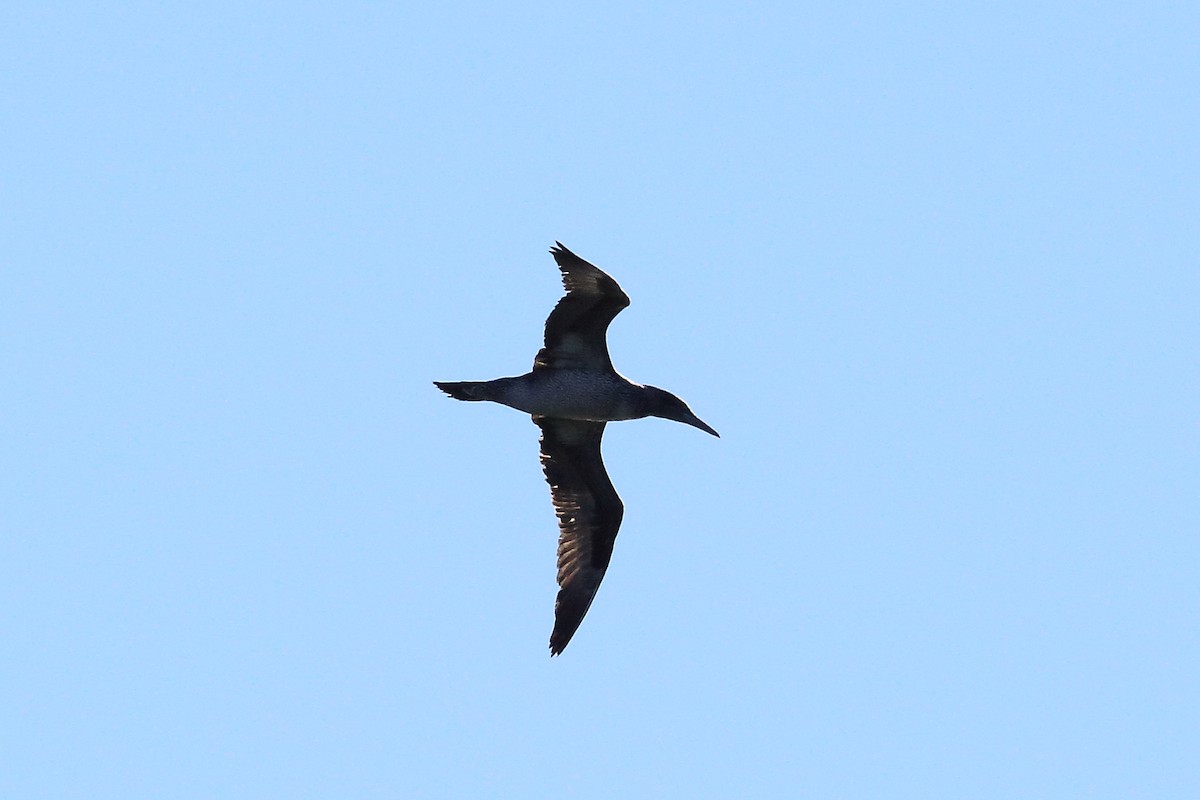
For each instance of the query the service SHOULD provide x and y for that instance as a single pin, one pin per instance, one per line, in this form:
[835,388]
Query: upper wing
[576,328]
[589,514]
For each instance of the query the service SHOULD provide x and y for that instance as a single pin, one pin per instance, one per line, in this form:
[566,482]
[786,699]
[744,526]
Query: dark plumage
[572,392]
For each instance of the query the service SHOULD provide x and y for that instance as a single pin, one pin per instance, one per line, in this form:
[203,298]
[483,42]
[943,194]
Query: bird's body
[564,394]
[571,393]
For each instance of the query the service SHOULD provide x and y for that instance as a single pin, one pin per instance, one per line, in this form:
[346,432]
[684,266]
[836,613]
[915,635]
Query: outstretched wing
[589,515]
[576,328]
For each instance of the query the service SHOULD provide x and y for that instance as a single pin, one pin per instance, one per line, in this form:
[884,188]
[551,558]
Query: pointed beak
[696,422]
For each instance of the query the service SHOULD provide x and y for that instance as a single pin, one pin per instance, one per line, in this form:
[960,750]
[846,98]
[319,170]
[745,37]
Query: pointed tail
[463,390]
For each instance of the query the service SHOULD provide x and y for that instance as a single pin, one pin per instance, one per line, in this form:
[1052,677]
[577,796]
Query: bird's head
[668,406]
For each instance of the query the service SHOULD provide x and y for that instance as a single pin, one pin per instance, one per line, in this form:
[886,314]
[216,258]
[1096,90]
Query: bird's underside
[588,508]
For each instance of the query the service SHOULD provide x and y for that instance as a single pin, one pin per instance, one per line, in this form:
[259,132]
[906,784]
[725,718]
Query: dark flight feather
[576,328]
[589,515]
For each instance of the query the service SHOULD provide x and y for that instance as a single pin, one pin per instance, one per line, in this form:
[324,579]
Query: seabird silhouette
[572,392]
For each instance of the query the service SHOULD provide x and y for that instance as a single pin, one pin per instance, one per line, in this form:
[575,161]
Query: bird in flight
[572,392]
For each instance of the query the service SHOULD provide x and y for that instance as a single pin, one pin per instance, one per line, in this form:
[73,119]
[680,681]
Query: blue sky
[930,269]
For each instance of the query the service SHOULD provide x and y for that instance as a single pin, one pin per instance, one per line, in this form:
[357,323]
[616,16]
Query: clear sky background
[930,269]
